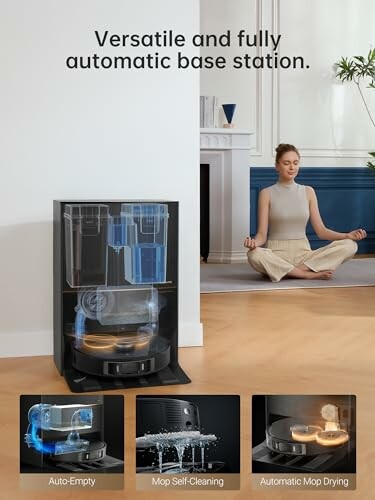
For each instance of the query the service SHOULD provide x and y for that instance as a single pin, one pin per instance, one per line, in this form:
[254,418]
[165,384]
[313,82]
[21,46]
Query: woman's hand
[250,243]
[357,234]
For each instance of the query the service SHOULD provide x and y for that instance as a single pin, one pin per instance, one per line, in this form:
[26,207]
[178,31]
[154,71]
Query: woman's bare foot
[322,275]
[307,274]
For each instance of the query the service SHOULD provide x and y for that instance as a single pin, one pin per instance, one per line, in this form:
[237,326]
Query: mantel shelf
[231,131]
[225,138]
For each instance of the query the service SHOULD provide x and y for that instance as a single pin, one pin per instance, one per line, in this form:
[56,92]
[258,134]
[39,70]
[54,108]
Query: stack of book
[209,111]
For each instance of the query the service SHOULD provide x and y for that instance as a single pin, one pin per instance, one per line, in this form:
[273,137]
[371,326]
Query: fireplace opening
[204,211]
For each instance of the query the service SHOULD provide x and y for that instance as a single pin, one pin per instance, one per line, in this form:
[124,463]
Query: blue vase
[229,110]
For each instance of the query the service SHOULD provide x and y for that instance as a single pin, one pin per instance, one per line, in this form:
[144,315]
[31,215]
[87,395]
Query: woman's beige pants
[279,257]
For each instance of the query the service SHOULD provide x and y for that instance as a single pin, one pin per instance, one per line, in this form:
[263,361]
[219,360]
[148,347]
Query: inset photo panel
[304,441]
[71,441]
[188,442]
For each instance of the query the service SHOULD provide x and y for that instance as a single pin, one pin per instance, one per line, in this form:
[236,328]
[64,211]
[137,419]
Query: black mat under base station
[212,467]
[106,464]
[265,460]
[102,466]
[80,382]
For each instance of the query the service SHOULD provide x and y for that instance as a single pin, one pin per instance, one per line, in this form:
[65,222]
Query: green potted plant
[356,69]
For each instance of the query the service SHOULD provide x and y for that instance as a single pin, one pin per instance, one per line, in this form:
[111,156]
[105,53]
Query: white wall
[309,108]
[88,134]
[229,85]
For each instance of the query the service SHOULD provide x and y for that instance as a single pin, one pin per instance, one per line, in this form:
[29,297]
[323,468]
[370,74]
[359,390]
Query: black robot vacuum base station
[307,434]
[61,433]
[116,294]
[172,428]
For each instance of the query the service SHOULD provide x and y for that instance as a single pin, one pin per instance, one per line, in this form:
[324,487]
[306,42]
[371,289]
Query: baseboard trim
[22,344]
[191,335]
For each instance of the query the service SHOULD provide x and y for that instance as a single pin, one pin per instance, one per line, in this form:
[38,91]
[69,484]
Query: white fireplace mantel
[227,151]
[224,138]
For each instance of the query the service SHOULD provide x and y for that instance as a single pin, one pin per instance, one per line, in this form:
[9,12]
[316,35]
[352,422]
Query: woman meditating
[283,212]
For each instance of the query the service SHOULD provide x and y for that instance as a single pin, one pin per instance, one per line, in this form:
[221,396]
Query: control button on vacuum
[284,447]
[129,367]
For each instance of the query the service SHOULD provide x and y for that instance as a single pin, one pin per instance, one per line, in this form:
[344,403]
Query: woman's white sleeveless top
[289,212]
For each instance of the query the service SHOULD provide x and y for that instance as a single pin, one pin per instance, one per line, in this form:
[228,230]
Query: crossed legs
[310,264]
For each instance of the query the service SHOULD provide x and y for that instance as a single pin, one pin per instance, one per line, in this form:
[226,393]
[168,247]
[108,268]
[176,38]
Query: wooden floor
[319,341]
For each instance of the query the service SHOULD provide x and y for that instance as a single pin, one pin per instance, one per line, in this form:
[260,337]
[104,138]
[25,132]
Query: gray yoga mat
[242,278]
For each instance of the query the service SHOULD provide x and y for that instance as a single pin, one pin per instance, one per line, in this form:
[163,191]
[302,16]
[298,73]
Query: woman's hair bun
[283,148]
